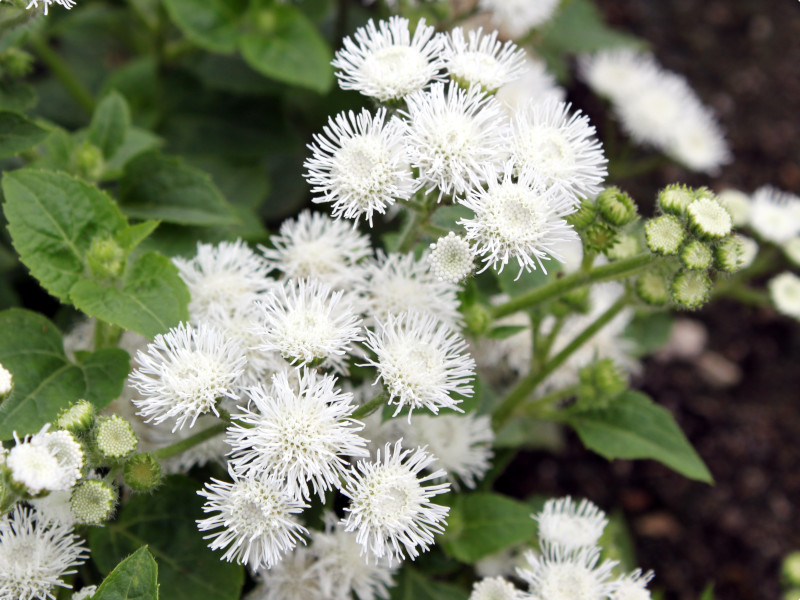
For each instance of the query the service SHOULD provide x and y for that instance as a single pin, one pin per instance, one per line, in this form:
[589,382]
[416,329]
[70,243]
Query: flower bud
[77,417]
[114,437]
[691,289]
[599,237]
[106,258]
[584,216]
[88,161]
[729,255]
[600,381]
[626,246]
[664,235]
[92,501]
[696,255]
[708,219]
[478,318]
[15,63]
[616,207]
[142,472]
[451,258]
[653,288]
[675,199]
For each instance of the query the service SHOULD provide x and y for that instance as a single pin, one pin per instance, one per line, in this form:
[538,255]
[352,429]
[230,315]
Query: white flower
[299,435]
[46,461]
[749,250]
[738,205]
[6,382]
[792,250]
[570,525]
[462,443]
[55,508]
[454,137]
[559,148]
[255,517]
[481,60]
[386,62]
[319,247]
[35,555]
[390,508]
[85,593]
[185,372]
[518,17]
[65,3]
[421,362]
[784,291]
[775,215]
[632,587]
[535,84]
[495,588]
[557,574]
[221,276]
[344,569]
[617,72]
[517,220]
[297,577]
[697,141]
[395,283]
[451,258]
[359,164]
[309,324]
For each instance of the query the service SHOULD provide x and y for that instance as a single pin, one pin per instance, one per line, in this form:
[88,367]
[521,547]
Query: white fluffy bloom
[359,164]
[617,72]
[185,372]
[343,567]
[390,507]
[697,140]
[451,258]
[784,291]
[297,577]
[65,3]
[495,588]
[775,215]
[557,574]
[316,246]
[6,382]
[396,283]
[517,220]
[35,555]
[455,137]
[749,249]
[421,362]
[559,148]
[220,275]
[462,443]
[482,60]
[255,517]
[85,593]
[518,17]
[55,508]
[792,250]
[738,205]
[632,586]
[386,62]
[535,84]
[308,323]
[571,525]
[46,461]
[299,435]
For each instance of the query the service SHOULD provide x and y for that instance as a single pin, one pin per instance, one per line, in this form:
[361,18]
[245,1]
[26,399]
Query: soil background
[743,58]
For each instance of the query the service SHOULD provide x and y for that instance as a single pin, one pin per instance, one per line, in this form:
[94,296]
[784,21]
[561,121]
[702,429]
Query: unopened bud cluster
[600,221]
[695,234]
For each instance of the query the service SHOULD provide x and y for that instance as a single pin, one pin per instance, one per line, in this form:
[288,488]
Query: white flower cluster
[519,167]
[657,107]
[567,565]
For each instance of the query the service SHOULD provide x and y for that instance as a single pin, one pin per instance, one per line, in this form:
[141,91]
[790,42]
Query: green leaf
[136,142]
[165,520]
[45,381]
[17,96]
[133,235]
[283,44]
[165,188]
[152,299]
[413,585]
[503,332]
[633,426]
[110,124]
[482,524]
[135,578]
[52,218]
[18,133]
[211,24]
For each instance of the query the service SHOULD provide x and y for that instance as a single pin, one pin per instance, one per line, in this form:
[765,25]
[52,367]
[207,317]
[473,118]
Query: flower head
[46,461]
[482,60]
[421,362]
[6,382]
[775,215]
[385,62]
[297,577]
[299,435]
[495,588]
[535,84]
[451,258]
[558,574]
[390,508]
[359,164]
[518,17]
[65,3]
[784,291]
[35,555]
[632,586]
[255,514]
[185,372]
[571,525]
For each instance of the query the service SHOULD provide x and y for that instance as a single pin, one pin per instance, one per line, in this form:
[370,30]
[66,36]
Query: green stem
[528,383]
[64,74]
[535,406]
[410,233]
[615,270]
[197,438]
[370,407]
[745,295]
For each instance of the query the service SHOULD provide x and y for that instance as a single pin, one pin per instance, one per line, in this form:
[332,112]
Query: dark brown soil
[743,58]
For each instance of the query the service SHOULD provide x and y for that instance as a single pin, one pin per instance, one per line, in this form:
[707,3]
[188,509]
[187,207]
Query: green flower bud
[142,472]
[675,199]
[664,235]
[92,501]
[106,258]
[600,381]
[78,417]
[708,219]
[16,63]
[478,319]
[790,569]
[691,289]
[114,437]
[653,288]
[616,207]
[729,254]
[88,161]
[584,216]
[599,237]
[696,255]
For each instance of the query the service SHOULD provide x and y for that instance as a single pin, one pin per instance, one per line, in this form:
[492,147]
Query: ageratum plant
[304,305]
